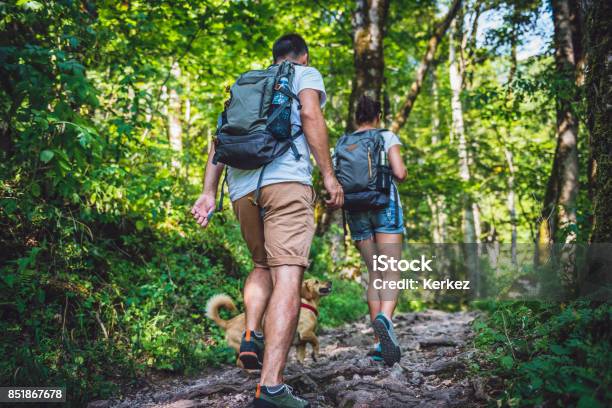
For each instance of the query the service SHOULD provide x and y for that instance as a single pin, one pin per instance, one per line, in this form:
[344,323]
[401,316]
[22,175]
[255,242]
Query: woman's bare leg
[390,245]
[367,248]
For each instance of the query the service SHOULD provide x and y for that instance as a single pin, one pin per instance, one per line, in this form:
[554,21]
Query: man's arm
[315,130]
[206,202]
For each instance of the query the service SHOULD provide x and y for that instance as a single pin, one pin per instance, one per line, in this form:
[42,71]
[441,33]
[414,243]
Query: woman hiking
[378,229]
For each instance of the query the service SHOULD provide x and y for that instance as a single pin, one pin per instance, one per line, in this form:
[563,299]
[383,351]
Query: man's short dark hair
[289,45]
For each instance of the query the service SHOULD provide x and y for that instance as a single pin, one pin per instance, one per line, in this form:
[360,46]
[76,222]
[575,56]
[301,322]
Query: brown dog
[312,292]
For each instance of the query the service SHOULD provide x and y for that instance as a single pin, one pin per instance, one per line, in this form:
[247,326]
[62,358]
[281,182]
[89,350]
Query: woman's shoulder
[389,137]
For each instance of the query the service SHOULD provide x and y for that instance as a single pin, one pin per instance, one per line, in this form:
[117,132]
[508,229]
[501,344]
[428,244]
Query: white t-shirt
[284,168]
[391,140]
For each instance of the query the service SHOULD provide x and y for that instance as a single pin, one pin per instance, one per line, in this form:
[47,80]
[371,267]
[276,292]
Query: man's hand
[203,208]
[336,194]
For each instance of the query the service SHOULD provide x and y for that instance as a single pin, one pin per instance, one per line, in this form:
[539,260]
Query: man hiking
[274,204]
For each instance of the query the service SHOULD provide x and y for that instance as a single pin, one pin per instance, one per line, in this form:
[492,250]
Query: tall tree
[432,45]
[559,211]
[511,202]
[458,128]
[437,202]
[175,128]
[598,25]
[369,21]
[508,154]
[456,73]
[558,218]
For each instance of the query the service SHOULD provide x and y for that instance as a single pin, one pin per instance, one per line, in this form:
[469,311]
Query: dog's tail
[213,306]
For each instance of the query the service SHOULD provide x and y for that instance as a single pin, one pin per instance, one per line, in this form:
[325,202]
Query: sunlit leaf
[46,156]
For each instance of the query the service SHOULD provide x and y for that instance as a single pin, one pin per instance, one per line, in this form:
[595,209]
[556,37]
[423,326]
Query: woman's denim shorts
[364,224]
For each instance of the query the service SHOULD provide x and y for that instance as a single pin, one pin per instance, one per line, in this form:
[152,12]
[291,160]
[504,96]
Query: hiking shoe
[251,350]
[283,397]
[376,353]
[388,342]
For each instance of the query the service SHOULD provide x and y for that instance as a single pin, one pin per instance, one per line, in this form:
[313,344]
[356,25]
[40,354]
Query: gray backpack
[255,126]
[362,169]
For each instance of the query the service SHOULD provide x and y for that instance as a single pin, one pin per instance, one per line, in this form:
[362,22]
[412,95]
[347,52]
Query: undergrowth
[547,354]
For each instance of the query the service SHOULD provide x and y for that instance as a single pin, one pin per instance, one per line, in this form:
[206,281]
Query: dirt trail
[436,350]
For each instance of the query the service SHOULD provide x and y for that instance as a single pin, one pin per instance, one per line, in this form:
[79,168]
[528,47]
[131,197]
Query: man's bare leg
[281,321]
[257,291]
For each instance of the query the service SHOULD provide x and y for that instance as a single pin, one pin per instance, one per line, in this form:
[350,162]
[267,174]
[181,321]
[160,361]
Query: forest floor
[433,371]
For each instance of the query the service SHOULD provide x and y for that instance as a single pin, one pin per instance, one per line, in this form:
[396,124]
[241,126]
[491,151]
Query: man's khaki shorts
[284,235]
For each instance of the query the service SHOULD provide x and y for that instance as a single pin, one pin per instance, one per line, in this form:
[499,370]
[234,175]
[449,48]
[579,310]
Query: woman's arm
[397,164]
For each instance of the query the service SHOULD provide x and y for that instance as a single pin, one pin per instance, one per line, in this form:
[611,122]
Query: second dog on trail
[312,292]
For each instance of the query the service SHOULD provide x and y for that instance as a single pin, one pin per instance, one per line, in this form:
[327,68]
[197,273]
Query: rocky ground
[436,350]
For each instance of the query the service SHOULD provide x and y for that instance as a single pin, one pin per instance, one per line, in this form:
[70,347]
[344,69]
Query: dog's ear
[307,291]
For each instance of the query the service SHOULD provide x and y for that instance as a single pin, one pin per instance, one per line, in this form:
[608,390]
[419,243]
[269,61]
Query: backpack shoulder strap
[379,132]
[344,229]
[223,183]
[342,138]
[397,206]
[287,68]
[379,136]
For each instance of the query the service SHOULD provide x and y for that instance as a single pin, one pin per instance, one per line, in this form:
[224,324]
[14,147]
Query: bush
[345,304]
[553,354]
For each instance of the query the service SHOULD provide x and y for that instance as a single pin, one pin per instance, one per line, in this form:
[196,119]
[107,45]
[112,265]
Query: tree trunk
[458,130]
[559,212]
[599,114]
[558,218]
[175,129]
[435,117]
[511,203]
[511,200]
[369,22]
[436,203]
[404,112]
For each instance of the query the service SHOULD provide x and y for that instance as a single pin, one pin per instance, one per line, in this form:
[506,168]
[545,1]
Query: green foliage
[557,354]
[346,303]
[104,275]
[114,311]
